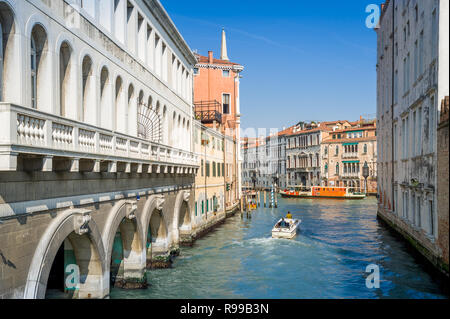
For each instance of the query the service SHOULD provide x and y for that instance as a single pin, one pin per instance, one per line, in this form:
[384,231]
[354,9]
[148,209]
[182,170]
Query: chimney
[224,51]
[210,57]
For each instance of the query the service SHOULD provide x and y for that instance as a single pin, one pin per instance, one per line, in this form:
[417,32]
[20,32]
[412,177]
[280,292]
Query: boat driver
[289,215]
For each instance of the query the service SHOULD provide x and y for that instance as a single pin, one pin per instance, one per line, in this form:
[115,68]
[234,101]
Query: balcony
[350,155]
[48,142]
[208,111]
[350,175]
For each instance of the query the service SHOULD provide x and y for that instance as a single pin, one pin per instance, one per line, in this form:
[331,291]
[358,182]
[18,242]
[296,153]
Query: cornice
[237,68]
[166,22]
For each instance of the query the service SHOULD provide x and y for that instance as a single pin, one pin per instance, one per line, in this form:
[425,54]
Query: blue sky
[304,60]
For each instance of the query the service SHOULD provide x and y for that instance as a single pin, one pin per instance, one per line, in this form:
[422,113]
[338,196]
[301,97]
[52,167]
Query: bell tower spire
[224,52]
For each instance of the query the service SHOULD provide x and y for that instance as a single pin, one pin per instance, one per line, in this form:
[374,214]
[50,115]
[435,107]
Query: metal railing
[208,111]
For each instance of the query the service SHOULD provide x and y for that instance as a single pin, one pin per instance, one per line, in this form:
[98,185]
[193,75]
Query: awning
[350,161]
[350,143]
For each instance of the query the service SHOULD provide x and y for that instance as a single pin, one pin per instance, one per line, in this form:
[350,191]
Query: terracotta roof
[317,129]
[349,140]
[205,59]
[351,129]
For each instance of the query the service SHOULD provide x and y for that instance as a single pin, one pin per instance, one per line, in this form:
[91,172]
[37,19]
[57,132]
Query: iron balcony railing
[208,111]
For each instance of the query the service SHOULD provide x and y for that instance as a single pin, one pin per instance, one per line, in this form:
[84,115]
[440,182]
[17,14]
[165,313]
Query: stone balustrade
[350,155]
[26,131]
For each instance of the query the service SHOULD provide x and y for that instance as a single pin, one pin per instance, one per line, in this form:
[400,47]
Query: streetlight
[365,173]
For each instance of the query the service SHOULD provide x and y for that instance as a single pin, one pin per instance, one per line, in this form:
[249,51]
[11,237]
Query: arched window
[33,74]
[39,69]
[131,114]
[337,149]
[88,91]
[337,168]
[119,110]
[66,91]
[105,99]
[7,50]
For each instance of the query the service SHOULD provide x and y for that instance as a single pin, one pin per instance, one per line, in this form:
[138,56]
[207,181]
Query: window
[416,60]
[214,169]
[396,86]
[226,103]
[196,71]
[421,54]
[434,35]
[395,201]
[33,74]
[431,217]
[419,131]
[202,168]
[207,169]
[431,125]
[413,134]
[365,148]
[226,73]
[337,149]
[337,168]
[195,208]
[419,217]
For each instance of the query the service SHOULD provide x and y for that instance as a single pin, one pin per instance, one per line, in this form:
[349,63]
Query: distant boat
[322,192]
[288,231]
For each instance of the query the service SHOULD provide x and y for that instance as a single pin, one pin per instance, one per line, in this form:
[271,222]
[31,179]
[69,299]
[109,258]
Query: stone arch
[88,89]
[8,51]
[154,222]
[182,216]
[85,238]
[123,227]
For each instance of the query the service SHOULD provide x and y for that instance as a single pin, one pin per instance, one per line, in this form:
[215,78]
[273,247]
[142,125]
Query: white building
[413,71]
[116,67]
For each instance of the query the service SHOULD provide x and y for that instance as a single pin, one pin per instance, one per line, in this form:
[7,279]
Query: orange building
[216,101]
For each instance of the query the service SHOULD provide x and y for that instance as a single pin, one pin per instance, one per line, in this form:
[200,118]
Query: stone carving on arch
[155,205]
[154,202]
[122,209]
[182,203]
[79,222]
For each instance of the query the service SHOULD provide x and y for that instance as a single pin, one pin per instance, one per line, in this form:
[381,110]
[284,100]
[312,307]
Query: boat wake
[269,241]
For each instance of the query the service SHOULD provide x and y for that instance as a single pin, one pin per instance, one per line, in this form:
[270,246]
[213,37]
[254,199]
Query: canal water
[327,259]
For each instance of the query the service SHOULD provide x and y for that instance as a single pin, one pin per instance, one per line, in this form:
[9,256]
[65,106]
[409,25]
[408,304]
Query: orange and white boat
[322,192]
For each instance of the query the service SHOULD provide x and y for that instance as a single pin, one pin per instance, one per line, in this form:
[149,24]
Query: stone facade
[443,182]
[412,77]
[210,186]
[97,167]
[344,153]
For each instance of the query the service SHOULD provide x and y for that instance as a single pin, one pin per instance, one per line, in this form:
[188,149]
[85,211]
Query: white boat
[288,231]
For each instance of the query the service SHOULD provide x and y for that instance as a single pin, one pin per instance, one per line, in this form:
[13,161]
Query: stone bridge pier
[85,250]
